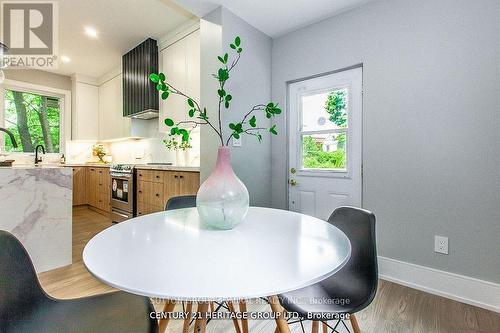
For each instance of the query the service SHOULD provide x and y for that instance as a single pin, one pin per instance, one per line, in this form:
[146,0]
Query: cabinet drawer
[144,209]
[103,202]
[189,182]
[144,191]
[150,193]
[150,176]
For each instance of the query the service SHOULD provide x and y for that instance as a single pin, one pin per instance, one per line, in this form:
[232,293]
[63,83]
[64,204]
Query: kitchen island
[36,206]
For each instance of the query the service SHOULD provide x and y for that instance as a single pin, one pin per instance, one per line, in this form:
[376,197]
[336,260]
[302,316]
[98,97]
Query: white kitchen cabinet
[181,64]
[85,111]
[112,124]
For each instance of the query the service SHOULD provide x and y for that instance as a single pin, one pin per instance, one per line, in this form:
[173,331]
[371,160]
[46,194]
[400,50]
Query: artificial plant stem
[178,92]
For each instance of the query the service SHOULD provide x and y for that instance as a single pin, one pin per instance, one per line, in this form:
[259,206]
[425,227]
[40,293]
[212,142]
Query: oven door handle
[120,176]
[120,214]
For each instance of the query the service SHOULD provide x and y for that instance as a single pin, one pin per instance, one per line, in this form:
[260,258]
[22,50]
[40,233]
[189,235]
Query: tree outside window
[33,119]
[325,146]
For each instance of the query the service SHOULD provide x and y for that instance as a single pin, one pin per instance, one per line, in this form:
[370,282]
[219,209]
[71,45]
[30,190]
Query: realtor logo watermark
[30,33]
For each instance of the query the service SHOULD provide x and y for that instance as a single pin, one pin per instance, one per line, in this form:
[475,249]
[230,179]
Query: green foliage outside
[33,119]
[315,158]
[313,155]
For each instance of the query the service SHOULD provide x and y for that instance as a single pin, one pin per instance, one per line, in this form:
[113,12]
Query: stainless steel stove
[123,204]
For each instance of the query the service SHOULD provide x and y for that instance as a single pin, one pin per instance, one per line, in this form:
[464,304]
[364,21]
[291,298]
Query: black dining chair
[183,201]
[353,287]
[25,307]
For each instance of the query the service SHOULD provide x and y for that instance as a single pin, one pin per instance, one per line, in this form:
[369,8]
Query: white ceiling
[121,24]
[275,17]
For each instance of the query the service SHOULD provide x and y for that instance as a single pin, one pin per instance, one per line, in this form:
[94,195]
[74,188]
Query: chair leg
[200,324]
[354,324]
[187,320]
[244,322]
[325,327]
[279,311]
[315,327]
[162,325]
[236,324]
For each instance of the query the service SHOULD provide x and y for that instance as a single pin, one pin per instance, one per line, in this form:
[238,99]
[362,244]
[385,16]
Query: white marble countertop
[32,166]
[167,167]
[101,165]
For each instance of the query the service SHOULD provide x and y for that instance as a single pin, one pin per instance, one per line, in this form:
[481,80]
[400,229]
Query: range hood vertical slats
[140,97]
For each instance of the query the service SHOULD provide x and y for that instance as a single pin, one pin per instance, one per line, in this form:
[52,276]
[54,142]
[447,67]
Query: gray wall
[431,137]
[249,84]
[39,77]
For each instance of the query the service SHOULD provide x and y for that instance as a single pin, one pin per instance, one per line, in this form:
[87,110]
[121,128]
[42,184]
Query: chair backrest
[20,290]
[184,201]
[359,226]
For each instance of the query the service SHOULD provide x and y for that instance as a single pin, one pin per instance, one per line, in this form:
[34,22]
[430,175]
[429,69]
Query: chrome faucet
[38,159]
[14,143]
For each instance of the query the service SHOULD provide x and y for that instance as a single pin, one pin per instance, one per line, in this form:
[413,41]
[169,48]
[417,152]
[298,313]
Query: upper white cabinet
[85,110]
[181,64]
[112,124]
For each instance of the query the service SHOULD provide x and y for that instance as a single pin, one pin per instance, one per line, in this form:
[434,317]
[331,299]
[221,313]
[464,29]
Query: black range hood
[140,97]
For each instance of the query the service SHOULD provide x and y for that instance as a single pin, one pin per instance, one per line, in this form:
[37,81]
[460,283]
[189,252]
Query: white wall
[249,84]
[431,126]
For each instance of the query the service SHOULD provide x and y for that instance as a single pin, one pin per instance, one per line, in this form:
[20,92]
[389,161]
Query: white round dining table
[172,255]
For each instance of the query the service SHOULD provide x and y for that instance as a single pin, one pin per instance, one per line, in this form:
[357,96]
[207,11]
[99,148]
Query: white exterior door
[324,151]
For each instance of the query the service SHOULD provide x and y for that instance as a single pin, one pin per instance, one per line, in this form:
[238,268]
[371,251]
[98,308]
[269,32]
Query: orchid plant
[248,124]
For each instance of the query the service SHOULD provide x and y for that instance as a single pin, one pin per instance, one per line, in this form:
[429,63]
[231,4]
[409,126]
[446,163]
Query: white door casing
[318,190]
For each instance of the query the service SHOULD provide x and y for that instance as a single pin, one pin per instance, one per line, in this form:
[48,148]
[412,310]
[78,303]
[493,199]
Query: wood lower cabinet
[91,186]
[155,187]
[79,185]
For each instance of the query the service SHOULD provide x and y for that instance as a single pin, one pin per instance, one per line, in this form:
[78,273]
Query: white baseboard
[461,288]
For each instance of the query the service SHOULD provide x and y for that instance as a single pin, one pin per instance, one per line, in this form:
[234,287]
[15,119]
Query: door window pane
[324,151]
[33,119]
[325,111]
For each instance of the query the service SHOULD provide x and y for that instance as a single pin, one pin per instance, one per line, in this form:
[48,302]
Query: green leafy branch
[248,125]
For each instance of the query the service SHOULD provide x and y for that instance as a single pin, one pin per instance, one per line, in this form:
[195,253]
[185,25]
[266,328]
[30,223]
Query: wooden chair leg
[200,325]
[236,324]
[185,326]
[244,322]
[325,327]
[354,324]
[278,309]
[169,307]
[315,327]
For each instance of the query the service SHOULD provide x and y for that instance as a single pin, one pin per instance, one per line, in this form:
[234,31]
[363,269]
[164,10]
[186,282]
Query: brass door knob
[293,170]
[293,182]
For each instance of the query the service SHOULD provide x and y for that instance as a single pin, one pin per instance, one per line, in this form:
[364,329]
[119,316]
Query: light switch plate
[441,244]
[237,142]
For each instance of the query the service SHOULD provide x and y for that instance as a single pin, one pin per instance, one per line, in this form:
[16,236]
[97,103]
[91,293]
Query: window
[33,119]
[324,130]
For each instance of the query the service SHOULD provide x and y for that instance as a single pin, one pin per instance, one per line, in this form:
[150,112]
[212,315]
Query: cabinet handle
[92,169]
[175,176]
[140,175]
[157,194]
[181,176]
[140,191]
[157,177]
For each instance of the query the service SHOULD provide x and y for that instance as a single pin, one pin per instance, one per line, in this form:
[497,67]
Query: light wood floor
[395,309]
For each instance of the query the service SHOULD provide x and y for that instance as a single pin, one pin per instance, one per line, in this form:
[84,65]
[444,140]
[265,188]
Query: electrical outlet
[441,244]
[237,142]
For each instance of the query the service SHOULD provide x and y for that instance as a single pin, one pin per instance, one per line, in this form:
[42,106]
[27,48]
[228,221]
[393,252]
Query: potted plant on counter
[222,200]
[173,144]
